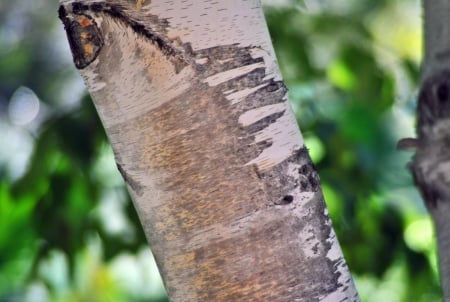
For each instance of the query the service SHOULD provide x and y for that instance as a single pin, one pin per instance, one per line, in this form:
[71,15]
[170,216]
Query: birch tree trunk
[431,163]
[197,114]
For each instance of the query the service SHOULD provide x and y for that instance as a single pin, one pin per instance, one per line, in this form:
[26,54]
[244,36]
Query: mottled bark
[197,115]
[431,163]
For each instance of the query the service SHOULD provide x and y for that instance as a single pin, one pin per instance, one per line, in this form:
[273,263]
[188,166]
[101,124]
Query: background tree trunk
[431,164]
[197,115]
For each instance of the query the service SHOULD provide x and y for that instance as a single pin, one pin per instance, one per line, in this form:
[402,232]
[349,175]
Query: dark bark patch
[285,200]
[442,93]
[118,12]
[85,38]
[135,185]
[265,122]
[434,102]
[309,180]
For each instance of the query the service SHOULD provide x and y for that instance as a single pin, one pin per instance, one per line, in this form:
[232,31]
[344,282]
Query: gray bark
[431,163]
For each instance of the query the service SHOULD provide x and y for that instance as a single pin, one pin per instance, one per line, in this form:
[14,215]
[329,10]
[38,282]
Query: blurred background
[68,231]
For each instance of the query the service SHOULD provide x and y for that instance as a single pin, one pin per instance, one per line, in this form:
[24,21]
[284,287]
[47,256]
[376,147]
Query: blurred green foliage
[68,230]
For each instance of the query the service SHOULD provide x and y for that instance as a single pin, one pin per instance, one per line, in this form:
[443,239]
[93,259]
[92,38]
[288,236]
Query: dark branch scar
[287,199]
[84,37]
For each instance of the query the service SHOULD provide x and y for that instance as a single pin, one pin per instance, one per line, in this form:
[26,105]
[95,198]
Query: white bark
[194,107]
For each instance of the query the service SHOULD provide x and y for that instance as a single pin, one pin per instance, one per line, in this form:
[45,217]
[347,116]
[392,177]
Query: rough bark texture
[431,163]
[197,114]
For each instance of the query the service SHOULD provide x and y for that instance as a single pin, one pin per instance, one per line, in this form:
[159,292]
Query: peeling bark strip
[198,118]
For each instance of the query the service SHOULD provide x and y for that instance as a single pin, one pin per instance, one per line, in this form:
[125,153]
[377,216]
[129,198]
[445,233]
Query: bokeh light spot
[418,235]
[23,106]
